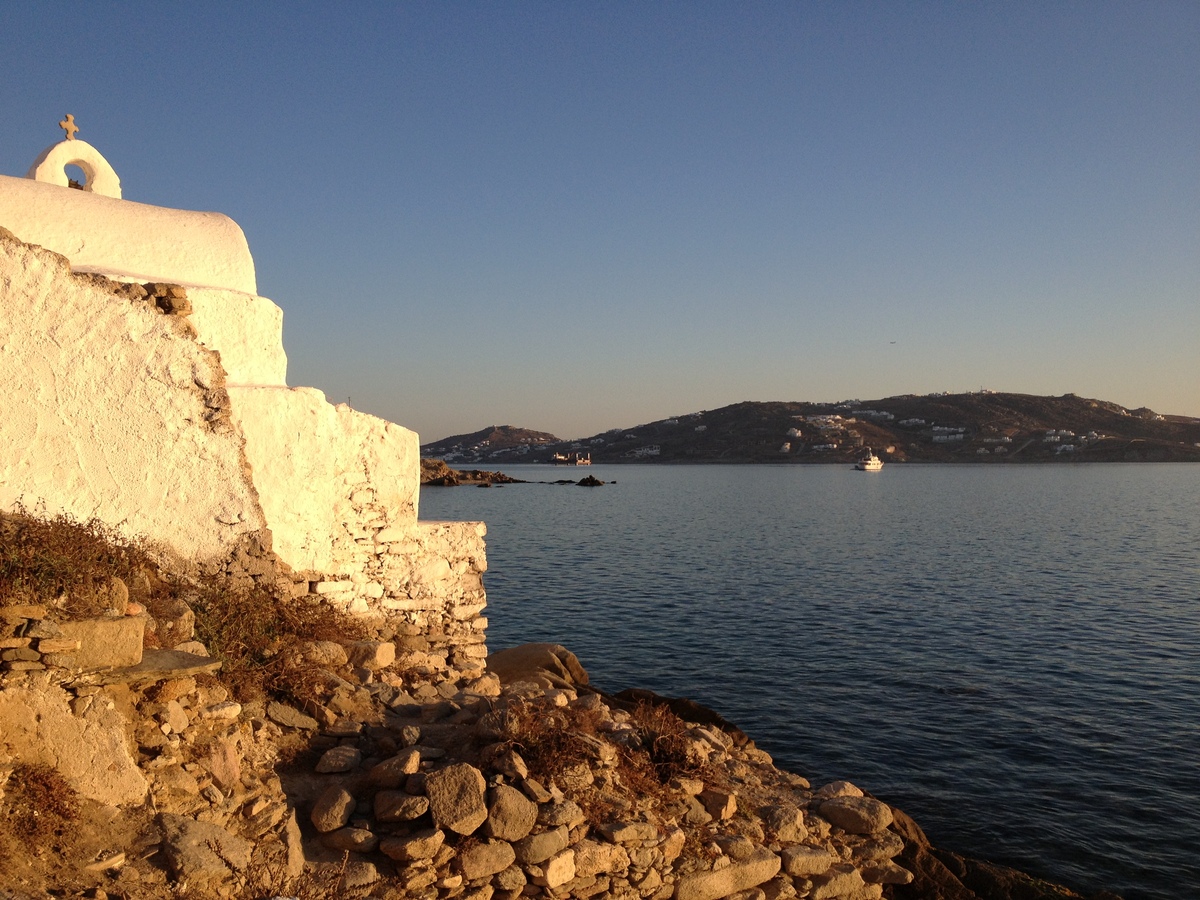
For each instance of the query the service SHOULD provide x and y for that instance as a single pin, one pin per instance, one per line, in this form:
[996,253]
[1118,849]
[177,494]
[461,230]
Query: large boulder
[456,797]
[511,815]
[857,815]
[760,866]
[547,665]
[87,744]
[106,643]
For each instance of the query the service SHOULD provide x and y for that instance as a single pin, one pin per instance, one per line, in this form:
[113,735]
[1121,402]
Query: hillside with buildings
[508,439]
[984,427]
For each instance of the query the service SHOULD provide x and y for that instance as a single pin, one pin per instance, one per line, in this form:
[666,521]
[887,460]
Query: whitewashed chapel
[144,384]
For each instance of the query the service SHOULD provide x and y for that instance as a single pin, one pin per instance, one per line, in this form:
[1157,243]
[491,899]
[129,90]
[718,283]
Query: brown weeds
[38,806]
[549,738]
[250,630]
[666,742]
[553,739]
[67,563]
[71,565]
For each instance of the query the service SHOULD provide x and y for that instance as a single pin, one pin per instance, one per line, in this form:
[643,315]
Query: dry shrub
[250,629]
[38,806]
[68,563]
[666,742]
[549,738]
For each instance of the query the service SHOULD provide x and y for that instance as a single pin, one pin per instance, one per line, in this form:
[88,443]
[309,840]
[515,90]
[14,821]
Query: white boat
[869,463]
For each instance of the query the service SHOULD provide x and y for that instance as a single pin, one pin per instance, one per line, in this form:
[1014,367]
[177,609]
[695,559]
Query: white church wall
[183,429]
[111,410]
[246,330]
[329,476]
[124,239]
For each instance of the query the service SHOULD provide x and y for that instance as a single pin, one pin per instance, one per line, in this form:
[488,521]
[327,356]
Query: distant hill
[509,440]
[977,427]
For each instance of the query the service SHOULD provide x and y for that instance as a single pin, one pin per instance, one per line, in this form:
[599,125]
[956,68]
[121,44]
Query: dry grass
[252,627]
[549,738]
[38,808]
[666,743]
[67,563]
[250,630]
[553,739]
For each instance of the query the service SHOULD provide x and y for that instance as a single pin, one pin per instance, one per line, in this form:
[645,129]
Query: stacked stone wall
[32,641]
[424,582]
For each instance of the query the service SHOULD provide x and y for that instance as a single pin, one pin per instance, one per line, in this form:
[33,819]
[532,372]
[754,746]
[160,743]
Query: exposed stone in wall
[424,582]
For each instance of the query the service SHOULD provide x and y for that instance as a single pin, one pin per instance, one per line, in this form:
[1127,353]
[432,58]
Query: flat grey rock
[201,851]
[289,716]
[161,665]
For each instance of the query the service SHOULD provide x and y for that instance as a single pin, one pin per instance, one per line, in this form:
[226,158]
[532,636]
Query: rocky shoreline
[435,473]
[318,755]
[525,782]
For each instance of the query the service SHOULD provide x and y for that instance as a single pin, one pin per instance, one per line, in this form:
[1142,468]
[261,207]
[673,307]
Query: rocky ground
[523,783]
[435,472]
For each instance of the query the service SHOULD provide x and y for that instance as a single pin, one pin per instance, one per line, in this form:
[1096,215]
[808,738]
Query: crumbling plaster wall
[340,491]
[113,411]
[317,466]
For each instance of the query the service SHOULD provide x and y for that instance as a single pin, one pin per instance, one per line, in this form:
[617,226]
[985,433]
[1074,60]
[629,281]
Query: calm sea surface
[1010,654]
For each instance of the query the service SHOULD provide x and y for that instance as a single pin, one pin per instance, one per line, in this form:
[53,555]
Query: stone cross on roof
[68,125]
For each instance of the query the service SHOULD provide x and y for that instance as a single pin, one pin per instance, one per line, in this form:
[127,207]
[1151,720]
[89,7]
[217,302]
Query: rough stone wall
[423,584]
[113,411]
[433,578]
[31,641]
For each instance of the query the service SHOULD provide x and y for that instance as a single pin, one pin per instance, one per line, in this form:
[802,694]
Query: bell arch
[51,167]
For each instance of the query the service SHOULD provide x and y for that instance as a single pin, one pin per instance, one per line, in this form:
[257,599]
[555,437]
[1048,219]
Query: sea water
[1011,654]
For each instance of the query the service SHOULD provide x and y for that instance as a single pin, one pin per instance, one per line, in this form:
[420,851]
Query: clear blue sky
[577,216]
